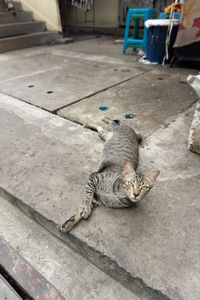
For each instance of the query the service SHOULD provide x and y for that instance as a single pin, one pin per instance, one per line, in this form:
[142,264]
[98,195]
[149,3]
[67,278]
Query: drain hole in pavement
[182,82]
[50,92]
[103,108]
[160,78]
[30,86]
[130,116]
[125,70]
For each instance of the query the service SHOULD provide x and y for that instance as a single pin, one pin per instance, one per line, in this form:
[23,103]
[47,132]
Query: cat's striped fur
[116,183]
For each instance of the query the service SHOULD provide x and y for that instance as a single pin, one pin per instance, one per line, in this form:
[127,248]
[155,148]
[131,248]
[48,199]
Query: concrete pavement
[69,272]
[46,160]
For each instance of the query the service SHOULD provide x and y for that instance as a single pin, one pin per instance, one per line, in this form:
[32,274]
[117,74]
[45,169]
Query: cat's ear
[128,171]
[152,176]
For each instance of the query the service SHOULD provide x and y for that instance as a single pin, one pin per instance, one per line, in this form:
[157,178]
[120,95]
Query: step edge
[97,258]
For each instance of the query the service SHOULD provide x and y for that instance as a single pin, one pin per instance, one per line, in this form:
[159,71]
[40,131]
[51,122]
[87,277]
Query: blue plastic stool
[137,14]
[163,15]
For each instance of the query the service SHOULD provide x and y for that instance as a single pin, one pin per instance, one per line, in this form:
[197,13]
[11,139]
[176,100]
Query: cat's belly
[111,200]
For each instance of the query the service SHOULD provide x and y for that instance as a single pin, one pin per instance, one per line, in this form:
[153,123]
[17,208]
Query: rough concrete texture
[6,291]
[51,161]
[70,273]
[152,248]
[152,98]
[48,169]
[104,49]
[21,16]
[158,240]
[53,81]
[194,136]
[27,40]
[21,28]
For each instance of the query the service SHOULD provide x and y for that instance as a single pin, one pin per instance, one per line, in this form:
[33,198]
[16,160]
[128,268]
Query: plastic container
[156,39]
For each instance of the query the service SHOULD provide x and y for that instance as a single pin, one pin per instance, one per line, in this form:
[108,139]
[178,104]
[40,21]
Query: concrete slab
[103,48]
[27,40]
[6,291]
[55,154]
[12,29]
[54,81]
[44,171]
[21,16]
[158,240]
[152,99]
[23,275]
[72,275]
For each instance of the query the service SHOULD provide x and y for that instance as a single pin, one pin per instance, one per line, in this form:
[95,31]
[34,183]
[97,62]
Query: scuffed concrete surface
[53,81]
[70,273]
[6,291]
[156,241]
[152,248]
[194,135]
[45,160]
[153,98]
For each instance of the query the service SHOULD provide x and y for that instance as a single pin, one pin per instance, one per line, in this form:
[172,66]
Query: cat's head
[136,186]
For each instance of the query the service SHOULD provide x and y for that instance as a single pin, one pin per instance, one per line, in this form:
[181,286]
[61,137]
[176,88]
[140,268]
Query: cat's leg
[86,208]
[87,204]
[105,135]
[93,126]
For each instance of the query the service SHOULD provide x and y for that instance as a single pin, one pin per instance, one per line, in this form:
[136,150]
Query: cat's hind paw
[67,226]
[70,223]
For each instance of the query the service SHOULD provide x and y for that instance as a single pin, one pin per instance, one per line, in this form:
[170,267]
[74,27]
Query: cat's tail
[70,223]
[108,120]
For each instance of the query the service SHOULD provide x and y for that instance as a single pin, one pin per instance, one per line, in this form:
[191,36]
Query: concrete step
[44,173]
[71,274]
[27,40]
[17,5]
[6,290]
[21,16]
[7,30]
[25,280]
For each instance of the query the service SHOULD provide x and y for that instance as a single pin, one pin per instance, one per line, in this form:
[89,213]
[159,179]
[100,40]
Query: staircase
[19,30]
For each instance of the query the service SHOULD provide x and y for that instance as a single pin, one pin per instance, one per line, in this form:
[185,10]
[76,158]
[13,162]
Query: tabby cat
[116,183]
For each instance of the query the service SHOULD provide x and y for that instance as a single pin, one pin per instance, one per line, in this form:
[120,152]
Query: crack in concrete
[26,102]
[99,92]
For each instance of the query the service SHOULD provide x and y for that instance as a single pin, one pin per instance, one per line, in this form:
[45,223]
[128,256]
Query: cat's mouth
[135,198]
[138,197]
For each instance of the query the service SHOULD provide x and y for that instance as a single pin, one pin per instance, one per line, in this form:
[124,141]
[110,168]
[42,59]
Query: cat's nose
[136,192]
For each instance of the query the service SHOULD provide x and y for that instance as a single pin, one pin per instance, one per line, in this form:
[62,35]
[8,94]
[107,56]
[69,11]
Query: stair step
[21,16]
[27,40]
[7,30]
[17,6]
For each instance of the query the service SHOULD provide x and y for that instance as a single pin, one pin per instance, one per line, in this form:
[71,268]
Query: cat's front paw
[86,211]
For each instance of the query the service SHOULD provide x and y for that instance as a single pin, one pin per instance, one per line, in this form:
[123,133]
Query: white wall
[44,10]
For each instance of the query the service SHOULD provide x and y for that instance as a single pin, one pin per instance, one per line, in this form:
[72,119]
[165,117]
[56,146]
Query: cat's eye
[130,183]
[145,188]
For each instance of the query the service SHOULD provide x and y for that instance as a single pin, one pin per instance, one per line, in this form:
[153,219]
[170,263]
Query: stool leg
[126,33]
